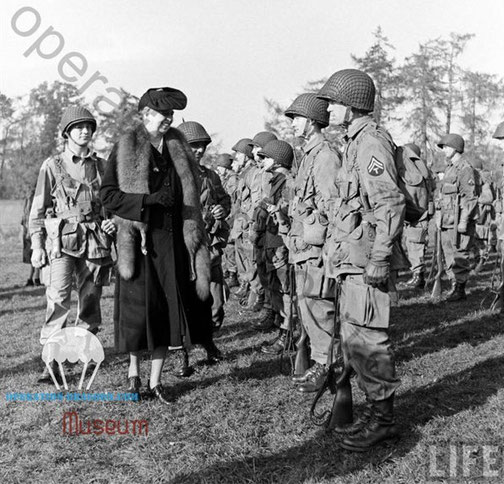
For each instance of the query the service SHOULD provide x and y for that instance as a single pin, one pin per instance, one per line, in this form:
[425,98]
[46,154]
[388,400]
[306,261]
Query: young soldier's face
[81,133]
[198,150]
[337,113]
[299,126]
[267,163]
[238,161]
[448,151]
[255,150]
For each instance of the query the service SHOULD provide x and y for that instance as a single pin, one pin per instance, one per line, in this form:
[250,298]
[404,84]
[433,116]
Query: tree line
[425,96]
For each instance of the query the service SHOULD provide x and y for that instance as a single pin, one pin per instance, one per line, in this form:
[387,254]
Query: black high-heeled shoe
[161,394]
[134,384]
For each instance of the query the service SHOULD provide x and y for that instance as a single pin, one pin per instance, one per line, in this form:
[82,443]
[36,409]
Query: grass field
[242,422]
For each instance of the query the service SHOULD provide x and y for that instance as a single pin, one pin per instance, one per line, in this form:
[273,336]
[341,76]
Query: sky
[227,56]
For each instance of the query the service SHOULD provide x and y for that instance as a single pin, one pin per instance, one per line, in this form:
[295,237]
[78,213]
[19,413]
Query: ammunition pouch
[316,284]
[360,243]
[315,228]
[364,305]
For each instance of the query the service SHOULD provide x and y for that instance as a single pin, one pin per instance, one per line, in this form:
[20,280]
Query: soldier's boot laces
[417,281]
[457,292]
[381,427]
[243,291]
[362,421]
[279,344]
[233,280]
[267,322]
[258,303]
[315,379]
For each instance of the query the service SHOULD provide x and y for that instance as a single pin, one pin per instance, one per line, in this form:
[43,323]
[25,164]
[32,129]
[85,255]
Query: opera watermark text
[72,424]
[454,461]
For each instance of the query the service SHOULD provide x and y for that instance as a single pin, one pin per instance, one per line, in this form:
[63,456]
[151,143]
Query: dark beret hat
[163,100]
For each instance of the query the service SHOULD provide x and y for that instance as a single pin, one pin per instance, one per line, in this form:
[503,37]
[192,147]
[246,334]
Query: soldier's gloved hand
[462,227]
[218,212]
[376,274]
[108,227]
[163,197]
[38,258]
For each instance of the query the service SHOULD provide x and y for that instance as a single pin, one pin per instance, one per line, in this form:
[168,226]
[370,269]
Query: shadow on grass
[25,291]
[474,331]
[322,458]
[24,309]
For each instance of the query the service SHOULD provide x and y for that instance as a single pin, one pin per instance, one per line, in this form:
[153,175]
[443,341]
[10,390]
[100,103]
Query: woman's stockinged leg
[158,359]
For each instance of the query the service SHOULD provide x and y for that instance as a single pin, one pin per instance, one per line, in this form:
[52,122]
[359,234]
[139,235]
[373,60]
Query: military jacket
[314,191]
[458,194]
[212,193]
[67,210]
[367,219]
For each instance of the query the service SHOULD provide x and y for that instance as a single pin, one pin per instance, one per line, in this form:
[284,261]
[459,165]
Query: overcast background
[228,55]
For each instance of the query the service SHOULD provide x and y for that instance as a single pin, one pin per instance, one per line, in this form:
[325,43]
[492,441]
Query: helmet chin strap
[307,129]
[348,117]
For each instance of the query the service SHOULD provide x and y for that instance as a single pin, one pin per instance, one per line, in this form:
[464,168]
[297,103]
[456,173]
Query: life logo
[73,345]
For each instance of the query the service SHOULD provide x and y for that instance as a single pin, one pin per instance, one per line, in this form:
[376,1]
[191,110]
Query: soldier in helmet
[240,233]
[365,242]
[485,238]
[456,209]
[313,195]
[258,181]
[69,233]
[416,234]
[216,206]
[229,179]
[499,204]
[277,159]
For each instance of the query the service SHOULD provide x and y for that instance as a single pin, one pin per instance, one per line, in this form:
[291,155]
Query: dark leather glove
[376,275]
[163,197]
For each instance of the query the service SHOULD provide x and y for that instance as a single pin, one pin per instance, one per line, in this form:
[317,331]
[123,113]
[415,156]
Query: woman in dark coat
[162,293]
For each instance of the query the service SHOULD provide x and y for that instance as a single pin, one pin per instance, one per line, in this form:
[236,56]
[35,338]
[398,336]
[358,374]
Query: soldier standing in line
[216,206]
[277,159]
[366,238]
[499,207]
[229,179]
[314,193]
[417,234]
[456,208]
[240,233]
[69,234]
[258,181]
[484,233]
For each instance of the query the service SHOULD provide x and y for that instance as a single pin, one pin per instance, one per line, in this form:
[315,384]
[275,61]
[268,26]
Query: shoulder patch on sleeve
[375,167]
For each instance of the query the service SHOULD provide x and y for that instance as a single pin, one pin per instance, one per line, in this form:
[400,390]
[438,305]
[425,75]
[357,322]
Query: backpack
[414,181]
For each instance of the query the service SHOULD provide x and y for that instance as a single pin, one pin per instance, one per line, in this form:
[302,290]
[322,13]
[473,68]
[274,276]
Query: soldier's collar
[314,141]
[358,125]
[73,157]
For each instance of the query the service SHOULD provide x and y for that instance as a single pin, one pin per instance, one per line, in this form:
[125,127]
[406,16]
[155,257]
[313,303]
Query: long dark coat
[162,297]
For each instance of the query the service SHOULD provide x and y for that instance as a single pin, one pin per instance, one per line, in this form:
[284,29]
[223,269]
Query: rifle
[436,288]
[433,262]
[341,413]
[499,293]
[456,222]
[302,359]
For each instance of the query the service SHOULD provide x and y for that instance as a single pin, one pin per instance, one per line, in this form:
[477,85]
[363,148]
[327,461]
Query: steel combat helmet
[454,140]
[309,106]
[225,160]
[413,147]
[351,88]
[262,139]
[74,115]
[280,151]
[194,132]
[244,146]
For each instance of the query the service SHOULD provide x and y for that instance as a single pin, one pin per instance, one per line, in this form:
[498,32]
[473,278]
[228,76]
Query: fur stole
[133,160]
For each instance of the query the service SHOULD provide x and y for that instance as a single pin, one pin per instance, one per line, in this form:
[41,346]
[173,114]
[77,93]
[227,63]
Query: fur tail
[127,235]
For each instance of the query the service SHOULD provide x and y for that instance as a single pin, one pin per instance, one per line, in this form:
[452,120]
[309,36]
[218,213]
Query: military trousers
[279,289]
[217,290]
[365,343]
[457,257]
[416,238]
[315,298]
[58,276]
[229,258]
